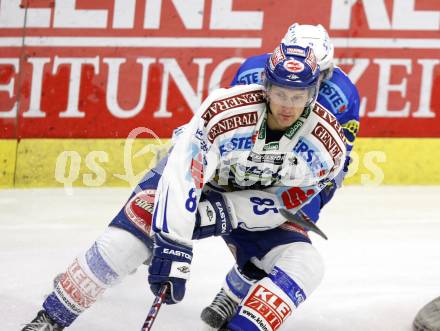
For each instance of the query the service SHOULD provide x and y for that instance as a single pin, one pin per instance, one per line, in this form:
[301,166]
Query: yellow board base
[395,161]
[121,162]
[85,162]
[8,148]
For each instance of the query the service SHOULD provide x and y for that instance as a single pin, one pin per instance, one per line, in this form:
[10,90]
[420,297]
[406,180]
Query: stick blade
[309,226]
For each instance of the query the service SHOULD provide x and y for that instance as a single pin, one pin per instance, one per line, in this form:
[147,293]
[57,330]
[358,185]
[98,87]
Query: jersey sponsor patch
[235,101]
[296,196]
[272,146]
[329,142]
[330,119]
[232,122]
[276,159]
[265,308]
[251,76]
[294,128]
[308,152]
[334,96]
[139,209]
[237,143]
[265,174]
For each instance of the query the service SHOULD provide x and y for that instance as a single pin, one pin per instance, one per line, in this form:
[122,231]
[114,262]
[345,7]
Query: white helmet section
[314,36]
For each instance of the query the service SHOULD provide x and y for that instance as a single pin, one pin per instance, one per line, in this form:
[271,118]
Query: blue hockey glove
[215,216]
[170,264]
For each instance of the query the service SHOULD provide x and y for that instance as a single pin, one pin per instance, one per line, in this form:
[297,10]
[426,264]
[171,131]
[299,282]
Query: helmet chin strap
[269,111]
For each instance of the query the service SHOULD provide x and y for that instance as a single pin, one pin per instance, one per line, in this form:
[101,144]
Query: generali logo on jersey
[81,64]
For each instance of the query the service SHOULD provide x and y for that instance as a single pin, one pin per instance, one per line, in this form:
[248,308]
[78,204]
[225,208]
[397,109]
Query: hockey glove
[215,216]
[170,264]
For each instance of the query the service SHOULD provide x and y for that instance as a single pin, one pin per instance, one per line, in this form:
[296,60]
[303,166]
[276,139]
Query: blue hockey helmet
[292,66]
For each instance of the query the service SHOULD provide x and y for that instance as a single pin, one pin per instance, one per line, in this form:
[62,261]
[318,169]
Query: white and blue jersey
[337,94]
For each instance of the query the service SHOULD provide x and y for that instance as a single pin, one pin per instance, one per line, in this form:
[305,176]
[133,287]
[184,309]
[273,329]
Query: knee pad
[302,263]
[114,254]
[120,250]
[296,270]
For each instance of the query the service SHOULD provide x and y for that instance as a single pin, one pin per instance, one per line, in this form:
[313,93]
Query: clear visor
[291,97]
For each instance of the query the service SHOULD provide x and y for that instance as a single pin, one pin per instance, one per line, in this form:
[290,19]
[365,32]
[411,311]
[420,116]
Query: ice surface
[382,261]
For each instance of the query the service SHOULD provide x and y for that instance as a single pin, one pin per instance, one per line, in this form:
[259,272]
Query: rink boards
[77,78]
[120,162]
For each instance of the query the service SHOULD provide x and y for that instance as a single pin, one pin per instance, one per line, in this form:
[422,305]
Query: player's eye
[280,95]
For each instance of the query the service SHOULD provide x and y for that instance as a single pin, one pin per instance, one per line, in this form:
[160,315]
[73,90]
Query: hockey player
[247,151]
[337,94]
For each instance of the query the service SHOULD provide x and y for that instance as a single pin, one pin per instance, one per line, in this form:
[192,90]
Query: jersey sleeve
[250,71]
[191,163]
[350,126]
[350,122]
[195,157]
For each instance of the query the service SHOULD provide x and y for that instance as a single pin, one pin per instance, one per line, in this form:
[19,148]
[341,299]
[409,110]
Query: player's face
[286,106]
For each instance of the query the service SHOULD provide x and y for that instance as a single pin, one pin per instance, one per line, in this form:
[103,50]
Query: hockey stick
[307,225]
[154,310]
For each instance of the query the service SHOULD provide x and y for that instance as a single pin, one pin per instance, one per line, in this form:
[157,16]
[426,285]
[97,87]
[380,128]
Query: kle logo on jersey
[266,308]
[140,208]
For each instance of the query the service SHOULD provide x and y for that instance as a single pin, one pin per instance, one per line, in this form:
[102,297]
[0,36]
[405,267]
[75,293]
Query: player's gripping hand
[215,216]
[170,264]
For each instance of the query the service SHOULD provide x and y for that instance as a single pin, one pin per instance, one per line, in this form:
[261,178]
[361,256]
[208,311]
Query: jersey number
[191,202]
[260,205]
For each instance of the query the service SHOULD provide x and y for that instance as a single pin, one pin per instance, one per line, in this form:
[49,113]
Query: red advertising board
[98,69]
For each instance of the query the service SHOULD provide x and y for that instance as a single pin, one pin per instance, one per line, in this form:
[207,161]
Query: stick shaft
[154,310]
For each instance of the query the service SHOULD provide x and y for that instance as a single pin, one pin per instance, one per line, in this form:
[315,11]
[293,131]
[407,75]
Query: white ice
[382,261]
